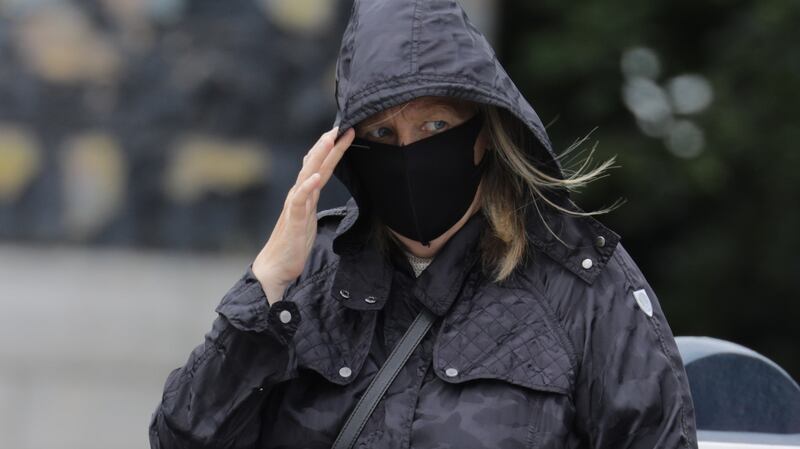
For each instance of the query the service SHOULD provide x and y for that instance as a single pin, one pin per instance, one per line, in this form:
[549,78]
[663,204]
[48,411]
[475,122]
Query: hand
[283,257]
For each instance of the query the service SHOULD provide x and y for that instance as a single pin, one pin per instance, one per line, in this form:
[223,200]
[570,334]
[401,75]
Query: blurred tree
[712,205]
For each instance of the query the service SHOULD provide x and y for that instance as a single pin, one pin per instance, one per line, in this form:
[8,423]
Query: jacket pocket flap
[504,337]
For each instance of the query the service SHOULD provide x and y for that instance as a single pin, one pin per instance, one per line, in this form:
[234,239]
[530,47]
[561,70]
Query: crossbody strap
[380,383]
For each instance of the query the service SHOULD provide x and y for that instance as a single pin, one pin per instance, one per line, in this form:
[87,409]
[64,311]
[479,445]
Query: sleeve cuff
[246,307]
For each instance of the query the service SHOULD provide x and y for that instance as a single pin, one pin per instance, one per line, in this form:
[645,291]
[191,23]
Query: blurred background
[146,147]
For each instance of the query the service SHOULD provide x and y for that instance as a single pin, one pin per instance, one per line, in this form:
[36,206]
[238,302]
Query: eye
[435,125]
[379,133]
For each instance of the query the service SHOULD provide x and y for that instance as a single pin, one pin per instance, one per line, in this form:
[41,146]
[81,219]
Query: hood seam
[390,81]
[415,21]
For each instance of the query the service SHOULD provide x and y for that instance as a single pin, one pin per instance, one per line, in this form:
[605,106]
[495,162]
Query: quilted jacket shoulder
[623,353]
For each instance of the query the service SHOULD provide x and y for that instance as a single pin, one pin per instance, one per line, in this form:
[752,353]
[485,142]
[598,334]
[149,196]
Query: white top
[418,263]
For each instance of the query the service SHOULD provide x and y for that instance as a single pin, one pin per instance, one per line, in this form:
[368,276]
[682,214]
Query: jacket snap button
[600,241]
[285,316]
[451,372]
[344,293]
[587,263]
[345,371]
[369,300]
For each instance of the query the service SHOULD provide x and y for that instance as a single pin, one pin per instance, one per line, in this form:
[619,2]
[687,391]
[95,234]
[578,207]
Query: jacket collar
[580,244]
[439,284]
[363,278]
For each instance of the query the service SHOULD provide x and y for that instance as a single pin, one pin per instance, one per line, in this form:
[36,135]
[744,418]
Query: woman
[545,332]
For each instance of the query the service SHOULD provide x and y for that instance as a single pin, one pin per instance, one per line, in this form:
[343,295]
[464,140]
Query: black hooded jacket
[571,351]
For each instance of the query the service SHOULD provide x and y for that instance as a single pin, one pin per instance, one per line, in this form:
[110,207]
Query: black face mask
[421,190]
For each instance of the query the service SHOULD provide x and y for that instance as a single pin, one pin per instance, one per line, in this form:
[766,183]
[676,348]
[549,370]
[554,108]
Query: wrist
[273,293]
[272,287]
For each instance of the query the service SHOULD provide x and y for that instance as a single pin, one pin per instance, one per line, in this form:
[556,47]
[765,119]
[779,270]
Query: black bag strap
[380,383]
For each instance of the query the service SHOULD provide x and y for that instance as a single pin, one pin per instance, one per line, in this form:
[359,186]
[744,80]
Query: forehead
[423,105]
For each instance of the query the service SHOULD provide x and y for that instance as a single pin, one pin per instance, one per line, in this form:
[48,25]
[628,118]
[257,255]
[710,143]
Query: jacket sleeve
[214,400]
[632,391]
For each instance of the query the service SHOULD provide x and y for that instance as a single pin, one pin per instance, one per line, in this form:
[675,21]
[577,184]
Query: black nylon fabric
[558,356]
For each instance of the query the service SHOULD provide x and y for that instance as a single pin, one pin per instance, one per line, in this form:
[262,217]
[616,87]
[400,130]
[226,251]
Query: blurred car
[742,399]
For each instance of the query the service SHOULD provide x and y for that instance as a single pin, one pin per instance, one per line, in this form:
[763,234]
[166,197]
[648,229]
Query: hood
[393,51]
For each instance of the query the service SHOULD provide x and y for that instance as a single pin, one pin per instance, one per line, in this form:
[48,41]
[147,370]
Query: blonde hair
[512,181]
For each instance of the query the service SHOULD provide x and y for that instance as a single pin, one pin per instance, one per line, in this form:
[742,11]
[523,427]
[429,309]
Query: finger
[308,211]
[297,211]
[316,154]
[311,207]
[314,197]
[335,155]
[287,203]
[310,215]
[304,171]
